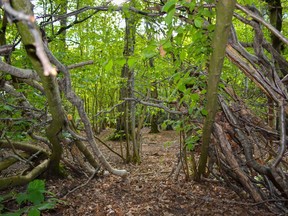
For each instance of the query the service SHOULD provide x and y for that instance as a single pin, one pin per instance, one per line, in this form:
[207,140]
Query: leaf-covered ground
[148,190]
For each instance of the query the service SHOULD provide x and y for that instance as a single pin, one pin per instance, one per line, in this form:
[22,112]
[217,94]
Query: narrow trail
[148,190]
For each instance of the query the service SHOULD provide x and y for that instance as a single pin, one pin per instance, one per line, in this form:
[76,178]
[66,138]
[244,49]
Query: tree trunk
[154,116]
[275,16]
[126,120]
[154,91]
[224,13]
[50,87]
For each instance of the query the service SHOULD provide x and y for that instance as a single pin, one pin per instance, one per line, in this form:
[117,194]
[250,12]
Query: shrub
[31,202]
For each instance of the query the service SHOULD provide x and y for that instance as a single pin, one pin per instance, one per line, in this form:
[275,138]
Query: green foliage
[191,141]
[32,201]
[34,194]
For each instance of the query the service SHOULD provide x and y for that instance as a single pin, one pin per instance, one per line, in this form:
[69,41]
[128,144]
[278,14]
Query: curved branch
[24,147]
[283,140]
[262,21]
[22,180]
[78,103]
[18,72]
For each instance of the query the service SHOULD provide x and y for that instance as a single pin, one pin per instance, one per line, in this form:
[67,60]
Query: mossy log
[24,179]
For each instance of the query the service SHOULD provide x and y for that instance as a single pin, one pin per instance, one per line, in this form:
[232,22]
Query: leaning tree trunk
[224,13]
[49,83]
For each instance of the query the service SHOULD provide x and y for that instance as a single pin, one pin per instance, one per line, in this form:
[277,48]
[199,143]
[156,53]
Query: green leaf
[190,141]
[169,17]
[164,124]
[180,30]
[206,13]
[34,212]
[203,92]
[198,22]
[204,112]
[191,109]
[181,87]
[195,97]
[148,53]
[35,191]
[36,197]
[131,62]
[182,55]
[109,65]
[192,5]
[221,85]
[120,61]
[21,198]
[36,185]
[169,5]
[167,45]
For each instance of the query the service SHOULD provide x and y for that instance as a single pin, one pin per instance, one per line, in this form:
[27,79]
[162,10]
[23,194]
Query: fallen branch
[22,180]
[82,185]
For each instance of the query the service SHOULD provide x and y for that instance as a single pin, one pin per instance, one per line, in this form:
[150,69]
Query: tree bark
[22,180]
[50,87]
[275,16]
[126,120]
[224,13]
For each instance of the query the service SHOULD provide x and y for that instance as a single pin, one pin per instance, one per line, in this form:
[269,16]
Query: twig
[110,110]
[157,105]
[108,147]
[81,64]
[82,185]
[34,156]
[17,156]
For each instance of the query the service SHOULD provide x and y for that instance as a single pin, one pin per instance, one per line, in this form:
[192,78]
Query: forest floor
[148,190]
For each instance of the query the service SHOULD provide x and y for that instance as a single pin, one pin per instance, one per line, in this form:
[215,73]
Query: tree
[224,13]
[50,85]
[46,74]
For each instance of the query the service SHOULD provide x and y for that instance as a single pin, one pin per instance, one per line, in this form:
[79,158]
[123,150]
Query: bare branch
[283,140]
[81,64]
[110,110]
[47,67]
[6,49]
[262,21]
[18,72]
[157,105]
[30,21]
[78,103]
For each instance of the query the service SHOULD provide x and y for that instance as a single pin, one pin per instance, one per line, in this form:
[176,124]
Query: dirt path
[148,191]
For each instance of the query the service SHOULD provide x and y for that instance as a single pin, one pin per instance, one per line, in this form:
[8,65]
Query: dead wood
[244,153]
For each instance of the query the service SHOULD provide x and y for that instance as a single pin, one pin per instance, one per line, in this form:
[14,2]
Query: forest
[143,107]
